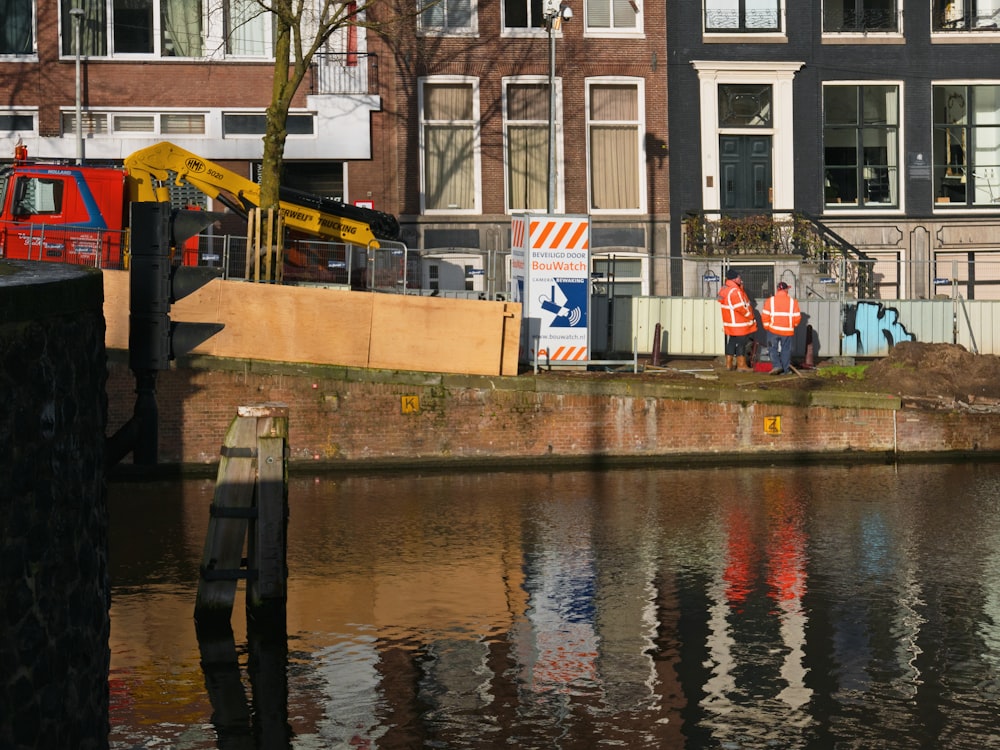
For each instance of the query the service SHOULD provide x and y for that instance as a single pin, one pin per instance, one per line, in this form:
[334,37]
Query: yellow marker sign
[410,404]
[772,425]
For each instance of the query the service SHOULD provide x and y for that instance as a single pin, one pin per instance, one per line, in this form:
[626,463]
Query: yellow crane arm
[149,172]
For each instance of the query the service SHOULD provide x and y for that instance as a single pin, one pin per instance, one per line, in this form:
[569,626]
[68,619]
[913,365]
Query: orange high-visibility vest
[737,314]
[780,314]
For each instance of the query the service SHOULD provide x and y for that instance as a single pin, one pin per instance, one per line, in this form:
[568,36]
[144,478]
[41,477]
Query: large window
[449,113]
[861,145]
[167,28]
[16,35]
[613,16]
[526,118]
[967,145]
[614,122]
[164,28]
[448,16]
[732,16]
[966,15]
[860,16]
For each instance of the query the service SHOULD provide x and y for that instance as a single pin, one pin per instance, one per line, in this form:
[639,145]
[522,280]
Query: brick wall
[343,417]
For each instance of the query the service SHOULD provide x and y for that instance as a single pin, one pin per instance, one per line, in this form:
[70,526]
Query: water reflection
[738,608]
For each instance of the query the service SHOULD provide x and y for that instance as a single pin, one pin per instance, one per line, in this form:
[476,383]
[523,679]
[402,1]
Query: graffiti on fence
[871,329]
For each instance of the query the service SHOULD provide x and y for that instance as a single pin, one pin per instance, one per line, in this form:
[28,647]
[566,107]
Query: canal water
[772,607]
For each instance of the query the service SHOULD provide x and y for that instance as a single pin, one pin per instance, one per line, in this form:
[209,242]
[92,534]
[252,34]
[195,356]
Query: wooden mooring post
[249,511]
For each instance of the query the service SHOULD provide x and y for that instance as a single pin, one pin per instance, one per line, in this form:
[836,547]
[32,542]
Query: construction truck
[79,214]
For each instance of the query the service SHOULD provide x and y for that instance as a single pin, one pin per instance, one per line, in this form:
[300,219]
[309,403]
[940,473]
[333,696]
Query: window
[168,28]
[165,28]
[93,123]
[247,123]
[449,140]
[861,145]
[523,14]
[93,27]
[448,16]
[17,122]
[860,16]
[967,145]
[37,195]
[182,124]
[744,105]
[731,16]
[613,15]
[619,274]
[966,15]
[133,123]
[614,124]
[247,29]
[16,32]
[526,117]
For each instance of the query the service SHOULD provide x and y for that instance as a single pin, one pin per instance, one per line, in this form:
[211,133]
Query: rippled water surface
[782,607]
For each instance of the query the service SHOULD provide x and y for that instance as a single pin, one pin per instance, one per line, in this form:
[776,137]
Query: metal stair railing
[743,233]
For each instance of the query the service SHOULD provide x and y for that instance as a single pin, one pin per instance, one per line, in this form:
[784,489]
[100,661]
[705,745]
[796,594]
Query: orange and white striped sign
[560,233]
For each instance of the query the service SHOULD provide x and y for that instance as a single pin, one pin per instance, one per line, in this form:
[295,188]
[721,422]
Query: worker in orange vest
[738,321]
[780,315]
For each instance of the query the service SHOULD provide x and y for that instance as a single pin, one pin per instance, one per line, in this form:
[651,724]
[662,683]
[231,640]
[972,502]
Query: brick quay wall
[54,584]
[343,418]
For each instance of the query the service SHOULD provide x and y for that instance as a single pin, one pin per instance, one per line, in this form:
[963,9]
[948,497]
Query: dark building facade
[880,121]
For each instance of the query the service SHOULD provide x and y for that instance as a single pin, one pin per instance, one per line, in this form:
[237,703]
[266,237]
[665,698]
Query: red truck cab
[64,213]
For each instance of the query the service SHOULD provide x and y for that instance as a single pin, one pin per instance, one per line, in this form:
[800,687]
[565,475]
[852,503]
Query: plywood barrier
[334,327]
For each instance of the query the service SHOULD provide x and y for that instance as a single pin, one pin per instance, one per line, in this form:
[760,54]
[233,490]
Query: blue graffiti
[871,329]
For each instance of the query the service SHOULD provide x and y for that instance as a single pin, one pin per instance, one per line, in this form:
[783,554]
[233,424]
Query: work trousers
[737,345]
[779,351]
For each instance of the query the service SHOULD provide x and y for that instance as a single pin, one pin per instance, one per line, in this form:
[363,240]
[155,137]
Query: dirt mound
[944,371]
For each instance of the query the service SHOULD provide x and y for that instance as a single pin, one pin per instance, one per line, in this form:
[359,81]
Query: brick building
[440,118]
[194,72]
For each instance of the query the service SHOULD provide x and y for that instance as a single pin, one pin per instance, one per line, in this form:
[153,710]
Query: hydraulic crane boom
[149,170]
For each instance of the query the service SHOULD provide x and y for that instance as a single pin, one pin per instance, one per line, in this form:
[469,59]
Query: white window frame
[743,36]
[27,56]
[970,159]
[780,76]
[525,31]
[869,209]
[213,29]
[604,255]
[13,135]
[559,177]
[595,32]
[962,34]
[476,149]
[640,87]
[430,30]
[873,36]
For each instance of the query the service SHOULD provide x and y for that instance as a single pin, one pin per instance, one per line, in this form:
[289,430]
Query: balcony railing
[345,73]
[755,233]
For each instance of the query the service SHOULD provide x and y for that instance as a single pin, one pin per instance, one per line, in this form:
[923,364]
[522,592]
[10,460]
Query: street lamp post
[77,14]
[555,13]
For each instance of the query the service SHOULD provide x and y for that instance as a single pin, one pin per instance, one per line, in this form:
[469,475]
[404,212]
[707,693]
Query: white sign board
[550,277]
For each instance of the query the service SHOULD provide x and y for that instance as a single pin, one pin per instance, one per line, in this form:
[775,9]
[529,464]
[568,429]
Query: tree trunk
[277,117]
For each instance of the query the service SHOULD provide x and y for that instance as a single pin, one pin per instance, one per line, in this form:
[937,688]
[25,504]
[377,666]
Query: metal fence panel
[823,317]
[688,325]
[978,326]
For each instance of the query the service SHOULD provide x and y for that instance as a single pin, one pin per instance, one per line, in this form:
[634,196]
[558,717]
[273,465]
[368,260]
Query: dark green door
[746,172]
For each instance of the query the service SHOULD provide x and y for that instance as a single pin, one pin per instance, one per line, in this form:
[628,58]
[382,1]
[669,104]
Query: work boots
[729,362]
[742,366]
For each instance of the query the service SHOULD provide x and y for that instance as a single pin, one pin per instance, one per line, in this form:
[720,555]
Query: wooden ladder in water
[249,510]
